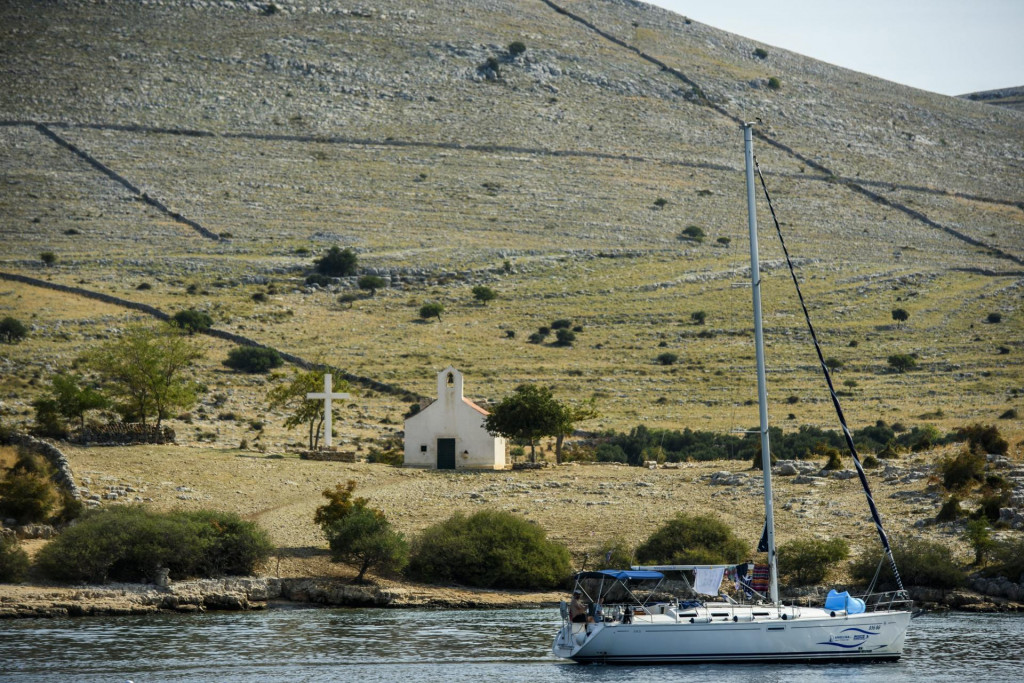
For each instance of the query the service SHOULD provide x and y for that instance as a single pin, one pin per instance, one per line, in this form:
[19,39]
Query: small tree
[12,330]
[253,359]
[900,315]
[48,258]
[564,337]
[147,369]
[365,539]
[483,294]
[371,283]
[292,397]
[192,320]
[359,534]
[530,413]
[431,310]
[569,417]
[338,262]
[667,358]
[901,362]
[980,537]
[73,400]
[834,364]
[698,317]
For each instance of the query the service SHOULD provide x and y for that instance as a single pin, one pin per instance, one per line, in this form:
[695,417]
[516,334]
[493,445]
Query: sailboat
[624,622]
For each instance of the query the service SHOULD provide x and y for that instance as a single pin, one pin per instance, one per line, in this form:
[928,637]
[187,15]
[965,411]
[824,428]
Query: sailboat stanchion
[762,385]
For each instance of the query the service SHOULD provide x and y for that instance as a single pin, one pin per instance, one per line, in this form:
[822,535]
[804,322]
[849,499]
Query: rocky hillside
[1012,98]
[190,153]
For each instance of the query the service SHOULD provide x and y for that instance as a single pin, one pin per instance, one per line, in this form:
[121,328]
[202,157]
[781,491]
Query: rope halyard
[831,389]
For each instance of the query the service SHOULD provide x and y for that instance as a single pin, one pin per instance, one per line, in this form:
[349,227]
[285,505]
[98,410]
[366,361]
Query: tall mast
[762,389]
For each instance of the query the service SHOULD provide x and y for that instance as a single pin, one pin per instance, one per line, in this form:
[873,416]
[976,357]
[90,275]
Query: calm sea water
[409,646]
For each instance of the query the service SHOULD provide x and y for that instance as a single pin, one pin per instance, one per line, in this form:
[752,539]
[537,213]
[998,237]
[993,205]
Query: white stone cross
[326,396]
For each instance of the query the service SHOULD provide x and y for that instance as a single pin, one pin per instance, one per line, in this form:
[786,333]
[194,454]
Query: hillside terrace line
[46,129]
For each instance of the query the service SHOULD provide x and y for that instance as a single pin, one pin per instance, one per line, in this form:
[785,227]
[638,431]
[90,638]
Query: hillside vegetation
[202,155]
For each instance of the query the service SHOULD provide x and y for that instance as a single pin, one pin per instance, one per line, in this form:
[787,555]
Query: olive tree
[292,397]
[147,369]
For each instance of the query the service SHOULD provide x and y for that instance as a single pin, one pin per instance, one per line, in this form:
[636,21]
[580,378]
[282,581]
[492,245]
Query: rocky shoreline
[246,593]
[259,593]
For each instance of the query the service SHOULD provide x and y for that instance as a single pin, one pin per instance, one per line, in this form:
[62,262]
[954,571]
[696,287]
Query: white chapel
[449,434]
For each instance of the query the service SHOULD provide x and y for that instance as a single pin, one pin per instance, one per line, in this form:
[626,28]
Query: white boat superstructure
[669,632]
[621,627]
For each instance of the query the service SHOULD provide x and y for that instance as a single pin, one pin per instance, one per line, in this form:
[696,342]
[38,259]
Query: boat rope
[835,398]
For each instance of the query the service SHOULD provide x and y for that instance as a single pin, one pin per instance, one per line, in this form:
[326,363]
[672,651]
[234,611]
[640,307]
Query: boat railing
[887,601]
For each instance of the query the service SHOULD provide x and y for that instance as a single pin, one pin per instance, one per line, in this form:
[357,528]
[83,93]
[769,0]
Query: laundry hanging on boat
[761,580]
[742,580]
[708,580]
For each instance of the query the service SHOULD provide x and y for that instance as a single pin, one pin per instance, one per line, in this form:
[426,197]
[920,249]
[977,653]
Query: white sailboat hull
[813,635]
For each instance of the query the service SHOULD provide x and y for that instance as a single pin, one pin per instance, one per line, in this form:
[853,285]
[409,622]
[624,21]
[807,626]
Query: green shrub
[660,202]
[760,53]
[364,538]
[979,535]
[698,317]
[692,232]
[774,83]
[692,540]
[564,337]
[13,561]
[129,543]
[488,549]
[561,324]
[808,562]
[12,330]
[318,279]
[431,310]
[920,563]
[950,510]
[48,258]
[990,504]
[870,462]
[667,358]
[338,262]
[963,470]
[901,362]
[483,294]
[609,452]
[253,359]
[516,48]
[983,438]
[724,241]
[27,493]
[994,318]
[1008,559]
[835,459]
[371,283]
[192,320]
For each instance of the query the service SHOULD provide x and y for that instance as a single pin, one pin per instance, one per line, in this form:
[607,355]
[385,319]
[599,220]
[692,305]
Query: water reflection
[407,646]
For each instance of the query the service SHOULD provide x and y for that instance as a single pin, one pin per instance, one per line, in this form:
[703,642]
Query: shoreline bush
[130,543]
[920,562]
[488,549]
[692,539]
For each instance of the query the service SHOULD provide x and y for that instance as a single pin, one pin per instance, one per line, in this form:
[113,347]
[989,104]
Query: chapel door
[446,454]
